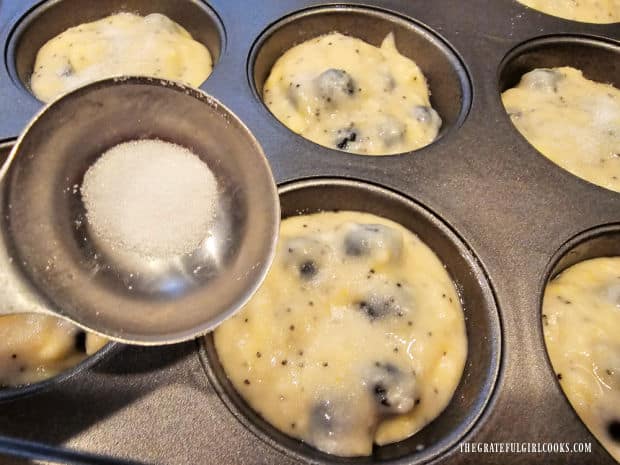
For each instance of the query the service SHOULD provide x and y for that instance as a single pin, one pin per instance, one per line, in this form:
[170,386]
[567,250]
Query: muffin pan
[499,214]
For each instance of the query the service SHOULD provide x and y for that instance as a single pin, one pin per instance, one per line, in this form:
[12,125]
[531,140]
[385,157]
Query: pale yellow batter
[571,120]
[356,337]
[121,44]
[587,11]
[37,347]
[581,323]
[346,94]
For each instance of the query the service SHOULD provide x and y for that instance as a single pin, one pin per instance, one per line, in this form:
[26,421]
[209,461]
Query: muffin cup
[598,59]
[50,18]
[444,70]
[602,241]
[481,319]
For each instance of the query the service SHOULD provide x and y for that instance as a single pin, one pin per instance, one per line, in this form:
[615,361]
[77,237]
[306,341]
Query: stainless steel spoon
[52,263]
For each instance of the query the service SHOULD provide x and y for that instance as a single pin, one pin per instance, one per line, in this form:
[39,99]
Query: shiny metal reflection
[68,271]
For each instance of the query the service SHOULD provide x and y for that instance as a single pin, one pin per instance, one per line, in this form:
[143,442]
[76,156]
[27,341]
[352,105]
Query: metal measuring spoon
[53,263]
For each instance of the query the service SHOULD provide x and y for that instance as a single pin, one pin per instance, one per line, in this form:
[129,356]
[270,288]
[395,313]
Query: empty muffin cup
[51,18]
[481,320]
[445,73]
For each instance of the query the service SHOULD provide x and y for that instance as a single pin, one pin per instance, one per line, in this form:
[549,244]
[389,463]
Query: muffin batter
[581,322]
[37,347]
[356,336]
[346,94]
[587,11]
[121,44]
[571,120]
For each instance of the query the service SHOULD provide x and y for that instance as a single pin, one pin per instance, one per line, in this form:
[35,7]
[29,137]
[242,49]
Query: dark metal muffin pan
[512,209]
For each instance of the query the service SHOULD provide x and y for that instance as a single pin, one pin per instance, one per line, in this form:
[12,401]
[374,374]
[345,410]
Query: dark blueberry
[307,269]
[392,389]
[335,420]
[306,255]
[381,395]
[423,114]
[334,84]
[613,428]
[358,242]
[80,342]
[353,247]
[371,310]
[293,96]
[378,306]
[322,416]
[344,137]
[389,368]
[383,242]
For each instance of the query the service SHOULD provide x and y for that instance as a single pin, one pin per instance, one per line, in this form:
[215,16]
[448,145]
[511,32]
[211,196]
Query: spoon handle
[16,294]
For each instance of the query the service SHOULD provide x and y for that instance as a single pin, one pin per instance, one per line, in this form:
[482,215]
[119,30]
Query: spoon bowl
[115,292]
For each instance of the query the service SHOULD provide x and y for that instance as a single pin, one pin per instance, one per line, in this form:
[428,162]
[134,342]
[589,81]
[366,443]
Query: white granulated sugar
[150,197]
